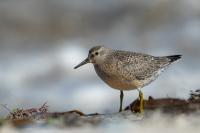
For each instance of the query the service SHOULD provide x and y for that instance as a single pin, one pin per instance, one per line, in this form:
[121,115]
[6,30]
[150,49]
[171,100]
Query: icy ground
[118,122]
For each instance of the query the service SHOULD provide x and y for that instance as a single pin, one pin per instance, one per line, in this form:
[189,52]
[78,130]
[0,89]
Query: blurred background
[42,40]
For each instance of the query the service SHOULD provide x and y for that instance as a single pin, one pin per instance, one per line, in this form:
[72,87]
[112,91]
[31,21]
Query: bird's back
[129,70]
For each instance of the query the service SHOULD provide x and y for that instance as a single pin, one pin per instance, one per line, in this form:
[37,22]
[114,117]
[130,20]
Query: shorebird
[125,70]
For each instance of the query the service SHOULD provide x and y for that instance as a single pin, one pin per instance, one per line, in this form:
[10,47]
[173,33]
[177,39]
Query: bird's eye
[96,53]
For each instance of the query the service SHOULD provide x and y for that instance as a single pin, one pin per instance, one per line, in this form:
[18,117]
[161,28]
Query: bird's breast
[114,80]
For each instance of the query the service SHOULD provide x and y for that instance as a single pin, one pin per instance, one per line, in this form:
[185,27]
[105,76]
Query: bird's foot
[141,107]
[120,109]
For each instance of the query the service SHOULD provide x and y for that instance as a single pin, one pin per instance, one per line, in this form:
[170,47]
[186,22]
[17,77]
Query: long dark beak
[82,63]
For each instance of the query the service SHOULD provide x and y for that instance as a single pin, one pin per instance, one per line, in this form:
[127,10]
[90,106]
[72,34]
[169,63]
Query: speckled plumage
[129,70]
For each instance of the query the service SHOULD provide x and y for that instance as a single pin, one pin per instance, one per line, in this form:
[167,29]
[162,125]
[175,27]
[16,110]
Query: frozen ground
[126,122]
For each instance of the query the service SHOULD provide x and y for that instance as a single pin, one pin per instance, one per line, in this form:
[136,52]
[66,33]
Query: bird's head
[96,55]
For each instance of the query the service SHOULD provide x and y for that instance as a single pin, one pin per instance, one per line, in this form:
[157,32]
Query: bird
[126,70]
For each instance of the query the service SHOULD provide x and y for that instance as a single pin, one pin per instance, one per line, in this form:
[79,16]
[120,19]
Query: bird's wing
[138,66]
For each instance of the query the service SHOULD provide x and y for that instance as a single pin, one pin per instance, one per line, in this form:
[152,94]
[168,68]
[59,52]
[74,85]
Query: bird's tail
[173,58]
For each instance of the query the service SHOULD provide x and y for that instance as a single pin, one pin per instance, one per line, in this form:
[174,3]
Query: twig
[5,107]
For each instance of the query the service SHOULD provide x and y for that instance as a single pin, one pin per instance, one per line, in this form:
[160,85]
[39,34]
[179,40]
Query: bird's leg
[121,100]
[141,96]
